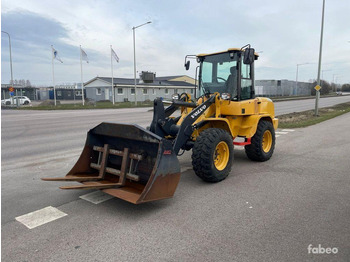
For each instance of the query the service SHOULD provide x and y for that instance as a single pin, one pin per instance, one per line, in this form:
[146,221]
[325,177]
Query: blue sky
[287,33]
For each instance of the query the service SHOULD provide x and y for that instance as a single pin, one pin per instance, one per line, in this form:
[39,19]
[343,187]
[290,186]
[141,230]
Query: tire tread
[202,158]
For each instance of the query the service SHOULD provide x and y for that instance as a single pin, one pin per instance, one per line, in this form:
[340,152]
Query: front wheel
[212,155]
[262,143]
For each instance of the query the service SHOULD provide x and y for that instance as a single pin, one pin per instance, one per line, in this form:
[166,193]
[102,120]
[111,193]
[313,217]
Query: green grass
[98,105]
[308,118]
[289,98]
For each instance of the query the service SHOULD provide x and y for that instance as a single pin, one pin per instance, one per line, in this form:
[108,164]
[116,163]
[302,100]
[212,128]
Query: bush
[345,87]
[326,87]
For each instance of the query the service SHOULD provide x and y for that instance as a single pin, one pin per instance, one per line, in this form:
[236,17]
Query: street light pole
[296,79]
[335,88]
[319,62]
[133,30]
[325,71]
[335,82]
[11,84]
[322,78]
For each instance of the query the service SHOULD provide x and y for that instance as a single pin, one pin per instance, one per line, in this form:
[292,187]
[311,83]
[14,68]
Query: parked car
[339,93]
[23,100]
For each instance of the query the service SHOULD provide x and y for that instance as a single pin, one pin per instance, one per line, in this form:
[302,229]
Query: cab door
[247,81]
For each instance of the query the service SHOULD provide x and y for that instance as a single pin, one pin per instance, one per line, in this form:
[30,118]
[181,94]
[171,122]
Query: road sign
[317,88]
[11,89]
[12,93]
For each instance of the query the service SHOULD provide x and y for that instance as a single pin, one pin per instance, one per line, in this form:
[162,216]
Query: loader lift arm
[163,126]
[161,122]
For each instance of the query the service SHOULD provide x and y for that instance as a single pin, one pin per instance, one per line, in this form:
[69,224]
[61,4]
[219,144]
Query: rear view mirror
[248,57]
[187,65]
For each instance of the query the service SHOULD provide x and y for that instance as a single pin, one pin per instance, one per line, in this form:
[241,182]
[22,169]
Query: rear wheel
[262,143]
[212,155]
[26,103]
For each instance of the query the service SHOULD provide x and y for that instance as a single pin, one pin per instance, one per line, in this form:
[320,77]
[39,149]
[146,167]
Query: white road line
[281,133]
[184,169]
[96,197]
[239,147]
[40,217]
[288,130]
[277,135]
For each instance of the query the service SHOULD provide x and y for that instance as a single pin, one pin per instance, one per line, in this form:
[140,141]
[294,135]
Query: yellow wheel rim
[267,141]
[221,155]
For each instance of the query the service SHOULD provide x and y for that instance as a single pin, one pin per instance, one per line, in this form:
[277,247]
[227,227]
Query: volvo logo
[199,111]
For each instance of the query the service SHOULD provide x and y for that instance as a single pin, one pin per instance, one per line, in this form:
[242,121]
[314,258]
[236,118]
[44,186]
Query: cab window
[246,81]
[218,73]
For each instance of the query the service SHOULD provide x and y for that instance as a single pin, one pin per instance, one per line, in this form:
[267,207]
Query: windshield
[219,74]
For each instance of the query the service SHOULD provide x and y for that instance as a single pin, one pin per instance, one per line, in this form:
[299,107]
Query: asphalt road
[286,107]
[266,211]
[31,136]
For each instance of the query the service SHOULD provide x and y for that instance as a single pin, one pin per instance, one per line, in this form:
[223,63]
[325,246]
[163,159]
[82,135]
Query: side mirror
[187,65]
[248,57]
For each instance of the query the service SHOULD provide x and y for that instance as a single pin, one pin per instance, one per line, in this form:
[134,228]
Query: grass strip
[307,118]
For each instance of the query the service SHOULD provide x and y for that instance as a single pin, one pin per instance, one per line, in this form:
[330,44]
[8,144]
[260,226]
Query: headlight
[175,96]
[226,96]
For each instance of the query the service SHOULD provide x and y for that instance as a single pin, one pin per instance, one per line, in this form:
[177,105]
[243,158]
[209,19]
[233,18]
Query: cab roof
[234,49]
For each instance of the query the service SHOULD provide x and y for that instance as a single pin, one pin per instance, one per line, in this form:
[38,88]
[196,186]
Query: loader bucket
[126,161]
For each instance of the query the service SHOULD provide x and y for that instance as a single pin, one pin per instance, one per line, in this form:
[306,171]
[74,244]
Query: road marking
[277,135]
[281,133]
[288,130]
[184,169]
[96,197]
[40,217]
[239,147]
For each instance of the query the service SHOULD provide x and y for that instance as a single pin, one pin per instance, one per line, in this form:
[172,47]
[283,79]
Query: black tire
[204,151]
[8,103]
[259,149]
[26,103]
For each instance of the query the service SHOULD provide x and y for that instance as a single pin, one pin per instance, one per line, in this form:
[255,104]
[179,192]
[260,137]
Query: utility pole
[319,62]
[53,74]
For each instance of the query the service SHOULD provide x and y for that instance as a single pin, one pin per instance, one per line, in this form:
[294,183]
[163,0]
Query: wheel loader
[139,164]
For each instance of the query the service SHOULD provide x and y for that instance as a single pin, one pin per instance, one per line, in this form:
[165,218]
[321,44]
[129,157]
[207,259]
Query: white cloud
[287,33]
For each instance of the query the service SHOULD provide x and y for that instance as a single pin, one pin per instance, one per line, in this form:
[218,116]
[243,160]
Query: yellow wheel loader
[141,165]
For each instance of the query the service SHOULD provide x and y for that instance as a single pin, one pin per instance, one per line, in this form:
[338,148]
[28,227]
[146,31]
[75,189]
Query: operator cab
[228,72]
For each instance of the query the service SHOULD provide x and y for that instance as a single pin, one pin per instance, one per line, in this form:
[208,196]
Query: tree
[345,87]
[326,87]
[28,83]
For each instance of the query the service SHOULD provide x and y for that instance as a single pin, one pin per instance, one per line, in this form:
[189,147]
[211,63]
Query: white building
[100,88]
